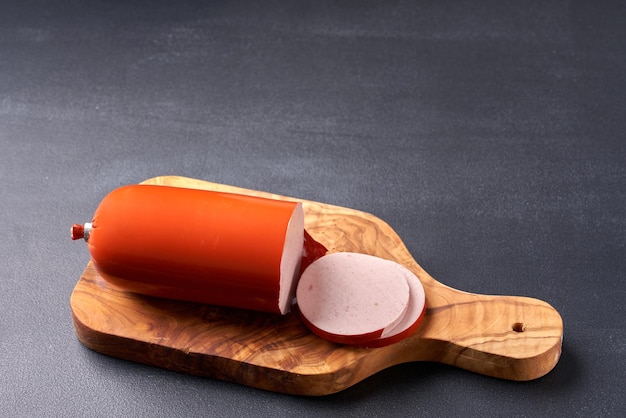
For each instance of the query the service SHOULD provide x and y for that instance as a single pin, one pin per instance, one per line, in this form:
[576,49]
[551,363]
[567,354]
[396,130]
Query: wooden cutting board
[516,338]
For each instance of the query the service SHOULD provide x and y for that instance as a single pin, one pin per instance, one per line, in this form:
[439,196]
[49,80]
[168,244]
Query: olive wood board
[508,337]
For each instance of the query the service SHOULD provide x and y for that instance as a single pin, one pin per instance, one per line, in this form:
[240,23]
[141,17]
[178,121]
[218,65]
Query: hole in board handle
[519,327]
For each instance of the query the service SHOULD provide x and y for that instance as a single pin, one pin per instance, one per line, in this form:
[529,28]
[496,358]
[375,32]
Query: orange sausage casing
[200,246]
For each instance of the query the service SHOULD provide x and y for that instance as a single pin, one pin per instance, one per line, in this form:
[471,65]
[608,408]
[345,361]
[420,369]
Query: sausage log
[201,246]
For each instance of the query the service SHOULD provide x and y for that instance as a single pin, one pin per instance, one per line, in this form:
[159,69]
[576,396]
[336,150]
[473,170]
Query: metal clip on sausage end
[81,231]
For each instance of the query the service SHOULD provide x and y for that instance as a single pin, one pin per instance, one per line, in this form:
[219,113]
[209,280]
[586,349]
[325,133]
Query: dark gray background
[490,135]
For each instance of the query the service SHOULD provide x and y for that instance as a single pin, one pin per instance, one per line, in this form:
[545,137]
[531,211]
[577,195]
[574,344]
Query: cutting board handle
[510,337]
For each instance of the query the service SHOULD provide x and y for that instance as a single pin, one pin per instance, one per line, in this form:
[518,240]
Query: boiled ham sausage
[201,246]
[360,299]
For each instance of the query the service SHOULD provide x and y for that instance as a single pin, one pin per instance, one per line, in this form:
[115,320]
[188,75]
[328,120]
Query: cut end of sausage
[291,259]
[354,298]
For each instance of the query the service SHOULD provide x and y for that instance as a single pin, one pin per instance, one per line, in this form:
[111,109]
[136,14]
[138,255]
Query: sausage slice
[412,318]
[353,298]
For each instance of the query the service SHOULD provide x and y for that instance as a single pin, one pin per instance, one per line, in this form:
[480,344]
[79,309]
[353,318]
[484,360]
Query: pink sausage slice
[353,298]
[412,318]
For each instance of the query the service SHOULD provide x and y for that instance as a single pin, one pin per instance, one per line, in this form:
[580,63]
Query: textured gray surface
[490,135]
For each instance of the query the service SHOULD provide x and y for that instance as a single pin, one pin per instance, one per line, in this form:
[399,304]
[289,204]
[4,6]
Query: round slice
[353,298]
[412,317]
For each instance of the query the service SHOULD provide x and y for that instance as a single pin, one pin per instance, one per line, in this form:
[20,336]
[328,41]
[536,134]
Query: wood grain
[516,338]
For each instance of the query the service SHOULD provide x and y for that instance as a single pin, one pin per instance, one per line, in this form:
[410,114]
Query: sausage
[353,298]
[200,246]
